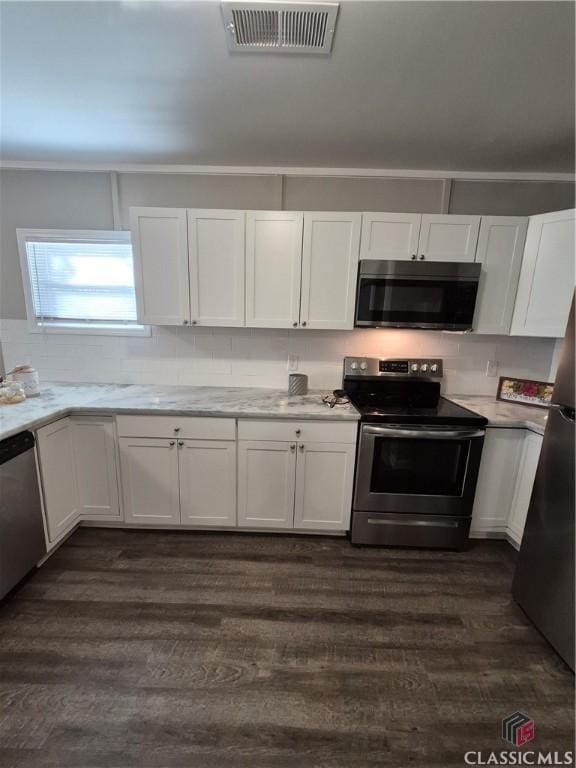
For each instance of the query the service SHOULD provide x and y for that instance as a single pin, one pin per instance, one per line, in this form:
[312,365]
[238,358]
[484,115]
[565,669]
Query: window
[79,280]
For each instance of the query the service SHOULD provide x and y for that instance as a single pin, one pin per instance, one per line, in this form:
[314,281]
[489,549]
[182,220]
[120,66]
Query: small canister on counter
[27,377]
[297,384]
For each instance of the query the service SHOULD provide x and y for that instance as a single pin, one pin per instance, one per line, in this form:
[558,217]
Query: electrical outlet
[292,364]
[492,368]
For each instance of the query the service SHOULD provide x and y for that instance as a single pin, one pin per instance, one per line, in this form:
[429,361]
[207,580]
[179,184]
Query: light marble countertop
[57,400]
[500,414]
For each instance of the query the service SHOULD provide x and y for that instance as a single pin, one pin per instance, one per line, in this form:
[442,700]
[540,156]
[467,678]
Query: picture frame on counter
[525,391]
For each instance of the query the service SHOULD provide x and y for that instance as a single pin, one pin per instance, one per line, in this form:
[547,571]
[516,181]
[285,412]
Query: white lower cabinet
[266,477]
[286,483]
[524,484]
[186,479]
[59,486]
[207,470]
[507,472]
[150,480]
[94,442]
[324,478]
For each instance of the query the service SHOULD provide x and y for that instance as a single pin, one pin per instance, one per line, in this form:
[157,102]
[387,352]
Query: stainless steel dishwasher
[22,542]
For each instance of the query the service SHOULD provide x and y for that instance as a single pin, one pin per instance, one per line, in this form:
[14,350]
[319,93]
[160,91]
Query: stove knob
[353,366]
[434,368]
[414,368]
[364,366]
[424,367]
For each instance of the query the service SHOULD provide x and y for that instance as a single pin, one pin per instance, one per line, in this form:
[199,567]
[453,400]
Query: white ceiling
[486,86]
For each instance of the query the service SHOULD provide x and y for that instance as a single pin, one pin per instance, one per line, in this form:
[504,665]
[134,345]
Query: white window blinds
[82,280]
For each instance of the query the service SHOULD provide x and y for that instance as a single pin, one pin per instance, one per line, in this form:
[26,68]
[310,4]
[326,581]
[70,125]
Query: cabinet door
[207,471]
[216,251]
[273,265]
[390,235]
[329,270]
[448,238]
[546,280]
[524,484]
[95,460]
[160,247]
[496,481]
[59,487]
[149,472]
[266,477]
[500,249]
[324,478]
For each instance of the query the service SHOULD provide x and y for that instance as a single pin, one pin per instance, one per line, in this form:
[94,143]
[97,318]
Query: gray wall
[70,200]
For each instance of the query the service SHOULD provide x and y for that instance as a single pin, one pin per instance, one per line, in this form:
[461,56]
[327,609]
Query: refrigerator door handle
[566,413]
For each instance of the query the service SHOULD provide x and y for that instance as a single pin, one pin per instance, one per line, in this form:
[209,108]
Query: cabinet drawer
[193,427]
[312,431]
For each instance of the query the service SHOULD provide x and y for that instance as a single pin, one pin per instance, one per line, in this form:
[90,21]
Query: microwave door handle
[435,434]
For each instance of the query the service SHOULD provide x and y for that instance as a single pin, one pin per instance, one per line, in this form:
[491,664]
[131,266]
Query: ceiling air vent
[266,27]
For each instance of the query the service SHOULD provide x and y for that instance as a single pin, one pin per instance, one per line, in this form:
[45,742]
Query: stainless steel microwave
[435,295]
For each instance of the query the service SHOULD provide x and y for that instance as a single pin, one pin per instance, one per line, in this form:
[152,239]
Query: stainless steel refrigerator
[544,579]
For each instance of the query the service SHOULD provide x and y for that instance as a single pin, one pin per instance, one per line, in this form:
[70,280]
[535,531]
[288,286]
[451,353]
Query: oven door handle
[430,434]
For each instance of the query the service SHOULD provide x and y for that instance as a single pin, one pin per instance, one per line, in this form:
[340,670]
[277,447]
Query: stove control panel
[429,368]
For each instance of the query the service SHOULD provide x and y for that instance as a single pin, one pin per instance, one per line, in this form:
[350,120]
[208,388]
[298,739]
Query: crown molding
[256,170]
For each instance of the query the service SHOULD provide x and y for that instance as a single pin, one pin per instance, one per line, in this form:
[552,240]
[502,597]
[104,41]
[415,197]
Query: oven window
[391,300]
[419,466]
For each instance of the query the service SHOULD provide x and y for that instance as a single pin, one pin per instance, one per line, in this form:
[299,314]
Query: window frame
[89,328]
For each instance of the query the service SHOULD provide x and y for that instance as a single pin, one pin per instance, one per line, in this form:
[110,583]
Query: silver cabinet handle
[414,257]
[422,257]
[180,443]
[293,447]
[194,322]
[172,442]
[304,324]
[185,322]
[431,434]
[301,447]
[176,429]
[294,325]
[298,432]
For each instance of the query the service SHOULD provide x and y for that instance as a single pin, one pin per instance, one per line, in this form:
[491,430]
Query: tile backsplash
[258,357]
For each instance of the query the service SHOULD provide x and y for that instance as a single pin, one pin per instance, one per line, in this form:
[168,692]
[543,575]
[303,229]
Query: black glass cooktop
[444,413]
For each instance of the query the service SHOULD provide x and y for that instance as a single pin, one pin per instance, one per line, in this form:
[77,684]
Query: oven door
[445,303]
[417,470]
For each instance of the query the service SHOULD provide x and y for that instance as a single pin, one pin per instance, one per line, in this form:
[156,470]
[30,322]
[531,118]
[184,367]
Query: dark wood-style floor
[140,649]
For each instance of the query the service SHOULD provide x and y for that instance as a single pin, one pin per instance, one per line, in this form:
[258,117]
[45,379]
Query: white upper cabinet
[411,236]
[546,280]
[329,270]
[273,265]
[160,246]
[448,238]
[216,251]
[500,249]
[390,235]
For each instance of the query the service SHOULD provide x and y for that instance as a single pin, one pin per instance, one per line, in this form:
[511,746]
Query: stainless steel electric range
[418,455]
